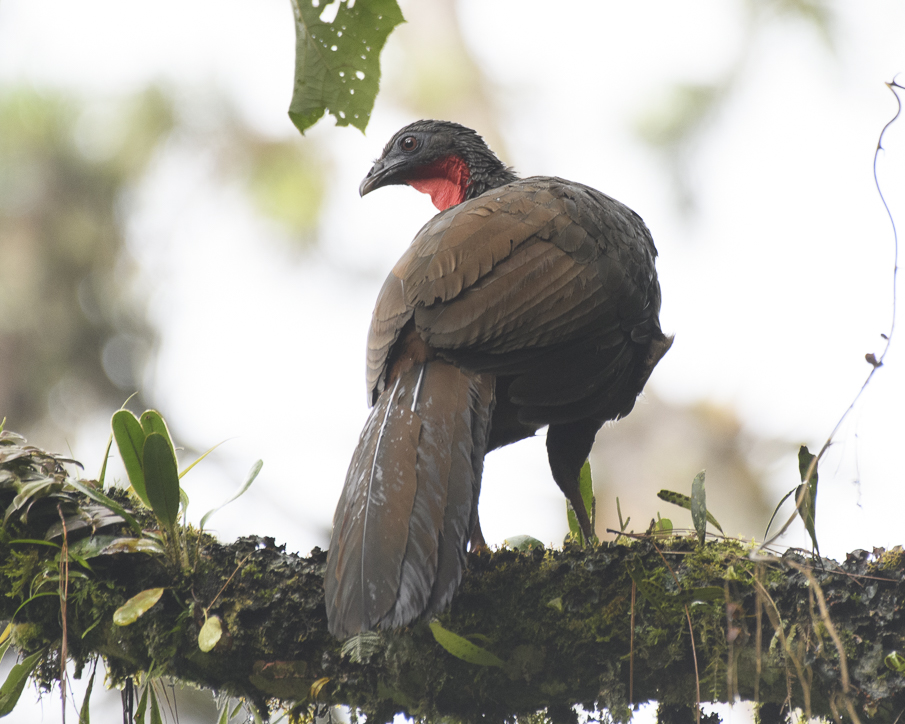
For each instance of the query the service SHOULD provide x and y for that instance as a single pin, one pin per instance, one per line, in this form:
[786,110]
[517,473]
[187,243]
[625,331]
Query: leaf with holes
[337,59]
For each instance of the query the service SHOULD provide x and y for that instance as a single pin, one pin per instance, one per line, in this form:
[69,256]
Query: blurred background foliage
[74,330]
[676,122]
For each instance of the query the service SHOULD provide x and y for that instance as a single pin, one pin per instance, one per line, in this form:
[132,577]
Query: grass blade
[249,479]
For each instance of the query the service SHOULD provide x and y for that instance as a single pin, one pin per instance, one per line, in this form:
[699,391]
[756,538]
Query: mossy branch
[559,619]
[781,630]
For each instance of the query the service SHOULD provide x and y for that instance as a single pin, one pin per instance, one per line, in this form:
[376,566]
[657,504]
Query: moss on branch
[560,620]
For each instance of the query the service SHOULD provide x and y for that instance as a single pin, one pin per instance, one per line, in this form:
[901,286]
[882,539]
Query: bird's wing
[538,277]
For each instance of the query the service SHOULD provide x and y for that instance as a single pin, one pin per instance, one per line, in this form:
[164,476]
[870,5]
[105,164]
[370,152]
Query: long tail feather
[410,500]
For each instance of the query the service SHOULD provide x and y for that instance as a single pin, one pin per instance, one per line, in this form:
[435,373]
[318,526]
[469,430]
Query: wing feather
[521,277]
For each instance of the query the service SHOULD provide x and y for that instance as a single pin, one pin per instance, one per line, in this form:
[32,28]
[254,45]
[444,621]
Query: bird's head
[446,160]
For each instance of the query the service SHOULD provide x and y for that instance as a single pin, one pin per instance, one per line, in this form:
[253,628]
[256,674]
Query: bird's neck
[450,180]
[446,180]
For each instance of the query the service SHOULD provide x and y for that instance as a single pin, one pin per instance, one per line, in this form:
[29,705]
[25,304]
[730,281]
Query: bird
[524,303]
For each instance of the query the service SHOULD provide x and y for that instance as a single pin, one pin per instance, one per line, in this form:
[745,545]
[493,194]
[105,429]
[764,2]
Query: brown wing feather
[540,276]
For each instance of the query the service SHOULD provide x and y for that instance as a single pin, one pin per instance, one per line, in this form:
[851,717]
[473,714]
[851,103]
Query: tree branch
[781,630]
[559,619]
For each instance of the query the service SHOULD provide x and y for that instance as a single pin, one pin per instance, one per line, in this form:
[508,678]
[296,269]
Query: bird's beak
[382,173]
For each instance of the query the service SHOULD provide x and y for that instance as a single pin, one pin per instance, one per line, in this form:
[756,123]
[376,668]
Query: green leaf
[103,473]
[130,439]
[106,545]
[249,479]
[136,606]
[28,600]
[775,511]
[805,498]
[152,421]
[5,640]
[183,501]
[699,506]
[257,715]
[35,542]
[85,711]
[224,714]
[161,478]
[98,497]
[90,628]
[623,524]
[155,708]
[896,662]
[202,456]
[210,633]
[15,682]
[337,64]
[28,494]
[522,543]
[463,649]
[683,501]
[586,488]
[142,706]
[806,494]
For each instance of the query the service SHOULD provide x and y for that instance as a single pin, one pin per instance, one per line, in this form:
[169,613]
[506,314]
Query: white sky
[775,292]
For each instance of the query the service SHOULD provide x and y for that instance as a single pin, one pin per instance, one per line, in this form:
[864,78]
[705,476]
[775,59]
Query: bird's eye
[409,143]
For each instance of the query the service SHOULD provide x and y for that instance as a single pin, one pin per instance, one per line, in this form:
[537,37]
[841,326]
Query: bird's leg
[568,446]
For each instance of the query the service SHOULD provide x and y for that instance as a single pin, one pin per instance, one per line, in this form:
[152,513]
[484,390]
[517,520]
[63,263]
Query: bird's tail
[410,500]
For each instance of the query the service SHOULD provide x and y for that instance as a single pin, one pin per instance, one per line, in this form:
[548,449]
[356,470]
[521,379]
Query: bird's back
[543,280]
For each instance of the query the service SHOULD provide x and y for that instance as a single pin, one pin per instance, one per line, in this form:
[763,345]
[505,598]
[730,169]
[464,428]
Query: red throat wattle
[446,180]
